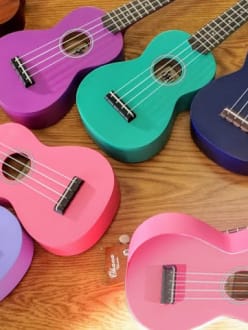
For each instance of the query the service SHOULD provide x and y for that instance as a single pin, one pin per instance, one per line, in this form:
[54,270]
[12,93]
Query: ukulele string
[38,162]
[27,185]
[185,285]
[208,298]
[60,59]
[211,273]
[164,66]
[33,169]
[28,176]
[242,96]
[110,19]
[178,281]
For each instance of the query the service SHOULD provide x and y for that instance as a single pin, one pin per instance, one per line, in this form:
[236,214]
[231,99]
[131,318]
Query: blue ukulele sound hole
[16,166]
[167,70]
[76,43]
[236,286]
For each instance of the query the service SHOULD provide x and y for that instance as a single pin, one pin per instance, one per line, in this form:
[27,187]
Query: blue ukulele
[219,120]
[129,107]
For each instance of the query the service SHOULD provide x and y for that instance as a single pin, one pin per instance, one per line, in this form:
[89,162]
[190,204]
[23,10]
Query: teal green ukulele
[129,107]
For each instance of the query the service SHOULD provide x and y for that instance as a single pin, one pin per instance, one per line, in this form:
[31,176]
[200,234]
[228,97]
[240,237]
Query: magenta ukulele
[40,70]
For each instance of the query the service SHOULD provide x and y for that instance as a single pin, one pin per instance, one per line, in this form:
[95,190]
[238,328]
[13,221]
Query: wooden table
[72,293]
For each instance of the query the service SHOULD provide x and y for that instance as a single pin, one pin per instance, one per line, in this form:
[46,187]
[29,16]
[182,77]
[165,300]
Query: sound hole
[237,286]
[76,43]
[16,166]
[167,70]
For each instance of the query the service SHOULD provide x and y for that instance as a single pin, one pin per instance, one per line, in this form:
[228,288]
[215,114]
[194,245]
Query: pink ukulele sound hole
[167,70]
[16,166]
[237,286]
[76,43]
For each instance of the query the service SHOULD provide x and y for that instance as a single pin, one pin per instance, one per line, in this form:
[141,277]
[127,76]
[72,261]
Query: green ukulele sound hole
[237,286]
[167,70]
[76,43]
[16,166]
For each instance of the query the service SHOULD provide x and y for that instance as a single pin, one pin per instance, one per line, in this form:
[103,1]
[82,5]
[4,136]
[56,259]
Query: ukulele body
[56,69]
[193,247]
[133,81]
[47,177]
[16,252]
[220,139]
[11,16]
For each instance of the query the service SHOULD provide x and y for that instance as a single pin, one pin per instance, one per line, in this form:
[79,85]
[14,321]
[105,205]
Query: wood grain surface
[11,16]
[71,293]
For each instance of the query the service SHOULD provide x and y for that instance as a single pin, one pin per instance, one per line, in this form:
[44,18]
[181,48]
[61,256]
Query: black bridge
[22,72]
[68,195]
[168,284]
[120,106]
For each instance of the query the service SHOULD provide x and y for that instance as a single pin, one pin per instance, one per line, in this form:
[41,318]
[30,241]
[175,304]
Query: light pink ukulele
[16,252]
[182,273]
[65,197]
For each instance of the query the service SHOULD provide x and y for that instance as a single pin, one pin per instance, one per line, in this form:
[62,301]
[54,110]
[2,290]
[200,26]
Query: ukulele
[43,69]
[182,273]
[219,122]
[11,16]
[135,102]
[16,252]
[65,197]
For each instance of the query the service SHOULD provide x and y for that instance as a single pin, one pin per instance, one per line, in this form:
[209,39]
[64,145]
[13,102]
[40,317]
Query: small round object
[124,239]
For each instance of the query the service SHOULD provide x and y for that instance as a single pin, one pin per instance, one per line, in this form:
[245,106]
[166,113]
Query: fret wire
[227,27]
[121,17]
[130,12]
[240,15]
[134,6]
[204,40]
[143,6]
[221,29]
[159,2]
[113,20]
[230,21]
[152,5]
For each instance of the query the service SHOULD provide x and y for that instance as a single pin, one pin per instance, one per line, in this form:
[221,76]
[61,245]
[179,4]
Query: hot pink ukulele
[182,273]
[65,197]
[16,252]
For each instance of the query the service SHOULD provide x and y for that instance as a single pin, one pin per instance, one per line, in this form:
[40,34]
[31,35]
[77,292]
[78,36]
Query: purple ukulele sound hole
[167,70]
[16,166]
[75,43]
[237,286]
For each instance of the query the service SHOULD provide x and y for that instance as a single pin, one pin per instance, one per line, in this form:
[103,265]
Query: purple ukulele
[40,70]
[16,252]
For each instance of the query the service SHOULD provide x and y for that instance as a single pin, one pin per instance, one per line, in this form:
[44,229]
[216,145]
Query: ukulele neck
[212,34]
[119,19]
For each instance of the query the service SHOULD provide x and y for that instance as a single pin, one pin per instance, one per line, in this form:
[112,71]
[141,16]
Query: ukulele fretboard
[122,17]
[212,34]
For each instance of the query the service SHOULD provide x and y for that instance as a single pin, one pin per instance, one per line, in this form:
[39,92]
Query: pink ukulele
[182,273]
[65,197]
[16,252]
